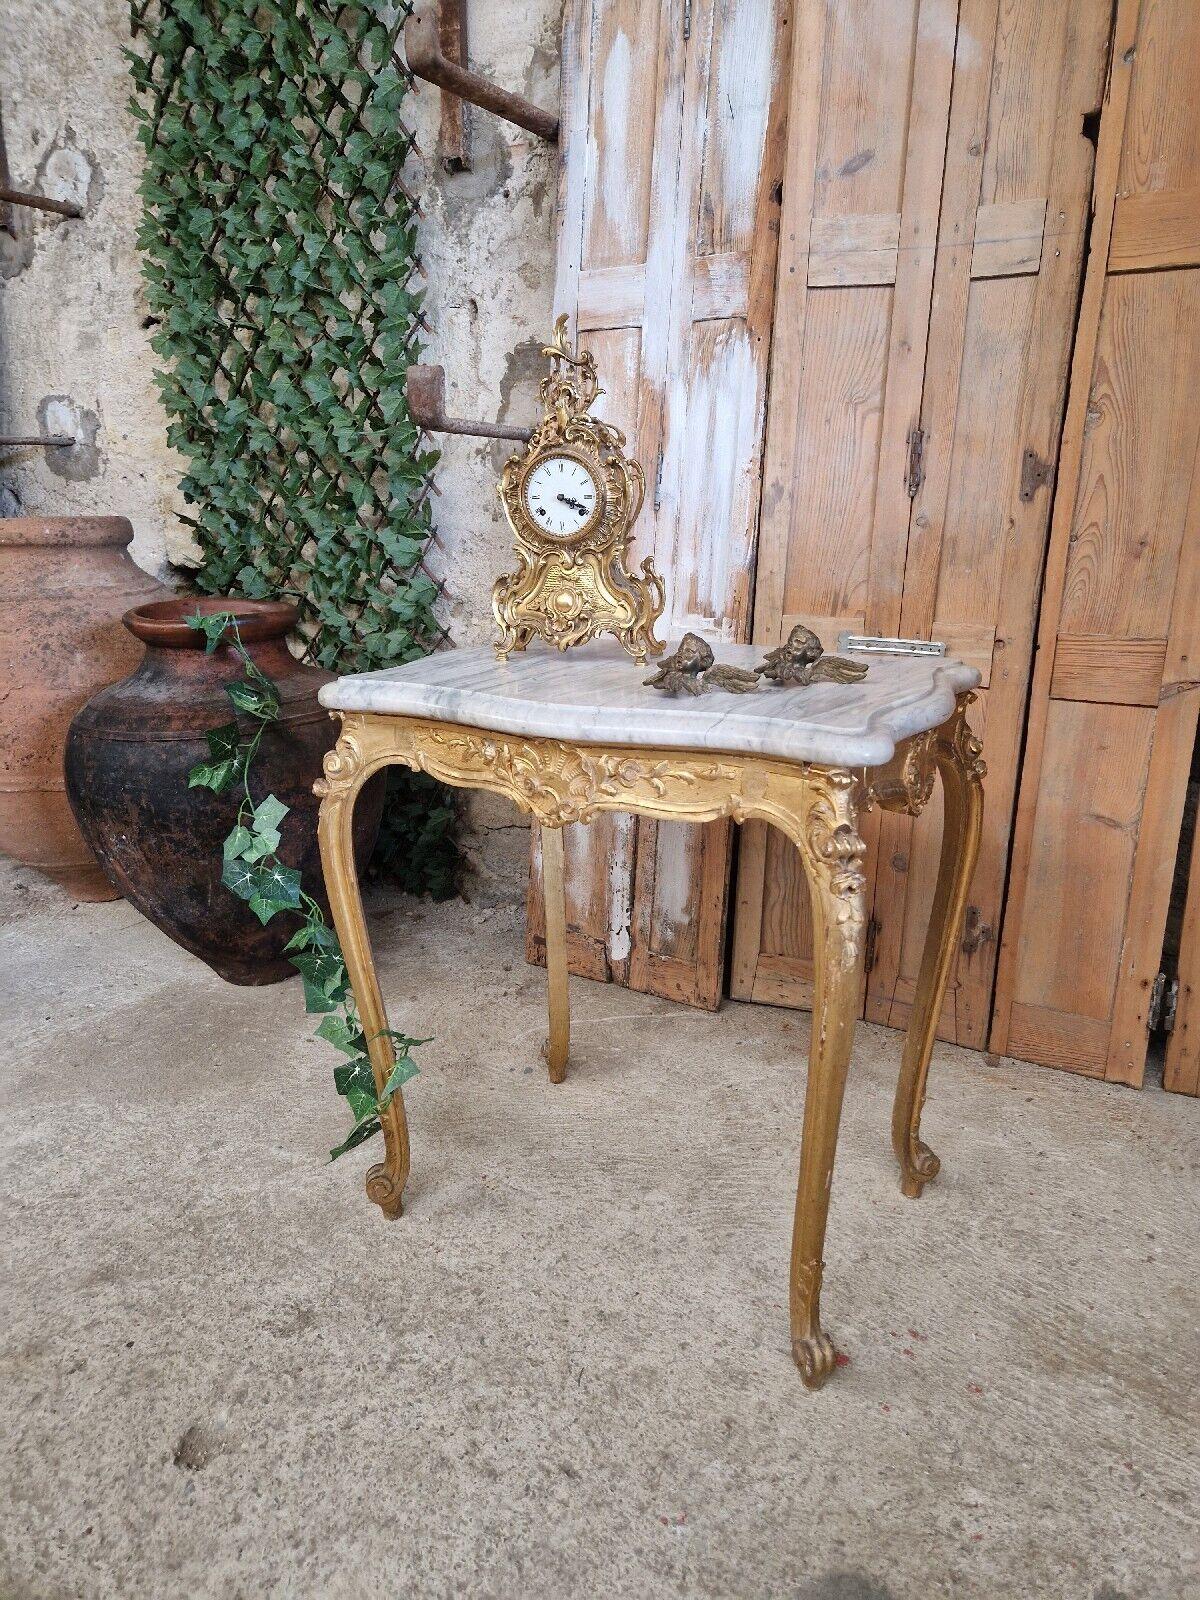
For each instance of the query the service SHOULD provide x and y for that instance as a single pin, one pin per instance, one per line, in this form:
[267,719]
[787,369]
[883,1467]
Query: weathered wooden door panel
[1117,687]
[925,416]
[1000,339]
[1111,787]
[672,153]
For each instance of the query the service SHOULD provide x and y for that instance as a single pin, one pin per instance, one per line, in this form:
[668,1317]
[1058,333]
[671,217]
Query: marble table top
[594,694]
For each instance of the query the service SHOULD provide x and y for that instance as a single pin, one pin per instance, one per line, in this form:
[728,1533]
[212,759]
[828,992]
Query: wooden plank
[1158,834]
[848,250]
[1160,228]
[1104,183]
[1088,811]
[1141,434]
[1059,1039]
[1008,238]
[1161,149]
[972,642]
[721,286]
[612,297]
[1116,671]
[1150,888]
[947,54]
[1181,1070]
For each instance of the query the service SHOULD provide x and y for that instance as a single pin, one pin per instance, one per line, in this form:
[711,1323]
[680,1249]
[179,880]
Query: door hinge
[687,19]
[914,477]
[1164,999]
[1034,473]
[871,944]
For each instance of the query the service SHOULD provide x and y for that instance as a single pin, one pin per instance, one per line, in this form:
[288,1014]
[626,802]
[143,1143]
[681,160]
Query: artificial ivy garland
[253,871]
[279,254]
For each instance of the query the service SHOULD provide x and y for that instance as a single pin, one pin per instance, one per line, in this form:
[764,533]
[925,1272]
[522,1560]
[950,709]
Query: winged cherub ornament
[694,670]
[801,660]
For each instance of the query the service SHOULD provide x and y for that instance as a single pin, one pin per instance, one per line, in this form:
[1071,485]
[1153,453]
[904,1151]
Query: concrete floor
[565,1371]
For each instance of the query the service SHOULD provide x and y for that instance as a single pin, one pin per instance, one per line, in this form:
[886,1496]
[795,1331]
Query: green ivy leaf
[217,776]
[343,1034]
[269,813]
[262,845]
[254,700]
[237,843]
[223,742]
[241,878]
[362,1132]
[213,627]
[313,935]
[404,1070]
[355,1082]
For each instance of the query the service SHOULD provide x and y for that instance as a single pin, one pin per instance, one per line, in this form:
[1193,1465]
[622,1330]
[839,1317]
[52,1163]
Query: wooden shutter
[671,154]
[935,251]
[1117,688]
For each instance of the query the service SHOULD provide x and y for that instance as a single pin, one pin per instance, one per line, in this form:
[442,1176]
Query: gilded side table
[567,737]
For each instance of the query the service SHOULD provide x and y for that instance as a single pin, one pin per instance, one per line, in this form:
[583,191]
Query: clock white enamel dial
[562,496]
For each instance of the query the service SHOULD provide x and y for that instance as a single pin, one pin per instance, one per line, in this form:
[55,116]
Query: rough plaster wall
[74,351]
[74,354]
[487,242]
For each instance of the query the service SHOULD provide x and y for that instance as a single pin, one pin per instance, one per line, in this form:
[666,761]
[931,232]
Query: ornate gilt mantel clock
[571,498]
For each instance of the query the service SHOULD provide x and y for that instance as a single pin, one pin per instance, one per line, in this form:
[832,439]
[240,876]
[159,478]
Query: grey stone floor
[565,1371]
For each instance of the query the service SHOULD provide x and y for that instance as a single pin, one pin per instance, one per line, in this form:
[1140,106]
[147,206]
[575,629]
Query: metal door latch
[870,644]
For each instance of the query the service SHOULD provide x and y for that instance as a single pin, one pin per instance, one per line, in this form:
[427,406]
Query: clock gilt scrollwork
[571,498]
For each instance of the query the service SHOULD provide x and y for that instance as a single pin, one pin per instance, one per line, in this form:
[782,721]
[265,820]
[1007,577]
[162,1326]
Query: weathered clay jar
[64,584]
[129,752]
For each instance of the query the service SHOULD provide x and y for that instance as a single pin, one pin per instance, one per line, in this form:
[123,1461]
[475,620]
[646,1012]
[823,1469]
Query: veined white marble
[594,694]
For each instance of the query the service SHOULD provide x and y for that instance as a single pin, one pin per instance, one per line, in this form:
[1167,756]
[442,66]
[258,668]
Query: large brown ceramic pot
[129,752]
[64,584]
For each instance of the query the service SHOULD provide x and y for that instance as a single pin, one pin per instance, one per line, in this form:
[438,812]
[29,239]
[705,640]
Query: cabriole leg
[957,752]
[832,854]
[554,894]
[345,774]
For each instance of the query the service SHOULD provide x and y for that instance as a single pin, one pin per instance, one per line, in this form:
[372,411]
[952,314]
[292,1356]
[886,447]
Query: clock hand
[575,505]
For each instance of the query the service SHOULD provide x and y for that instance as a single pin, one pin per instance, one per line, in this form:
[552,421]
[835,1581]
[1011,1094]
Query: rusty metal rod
[52,441]
[39,202]
[423,47]
[425,391]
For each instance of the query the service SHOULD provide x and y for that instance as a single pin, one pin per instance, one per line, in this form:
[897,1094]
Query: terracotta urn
[64,584]
[129,753]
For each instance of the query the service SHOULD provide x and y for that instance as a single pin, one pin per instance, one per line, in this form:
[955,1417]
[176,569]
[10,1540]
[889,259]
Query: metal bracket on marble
[425,34]
[425,391]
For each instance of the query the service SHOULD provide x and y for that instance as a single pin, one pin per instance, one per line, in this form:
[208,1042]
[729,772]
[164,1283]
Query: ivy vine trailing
[253,871]
[281,270]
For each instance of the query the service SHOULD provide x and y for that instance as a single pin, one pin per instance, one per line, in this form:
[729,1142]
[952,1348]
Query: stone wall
[74,341]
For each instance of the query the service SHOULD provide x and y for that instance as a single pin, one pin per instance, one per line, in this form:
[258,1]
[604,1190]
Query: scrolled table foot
[384,1189]
[918,1167]
[816,1358]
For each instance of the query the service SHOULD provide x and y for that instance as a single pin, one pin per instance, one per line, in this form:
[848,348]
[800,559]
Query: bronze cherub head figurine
[801,660]
[694,670]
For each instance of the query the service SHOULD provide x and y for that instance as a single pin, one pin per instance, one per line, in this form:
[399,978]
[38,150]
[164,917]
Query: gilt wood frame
[559,782]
